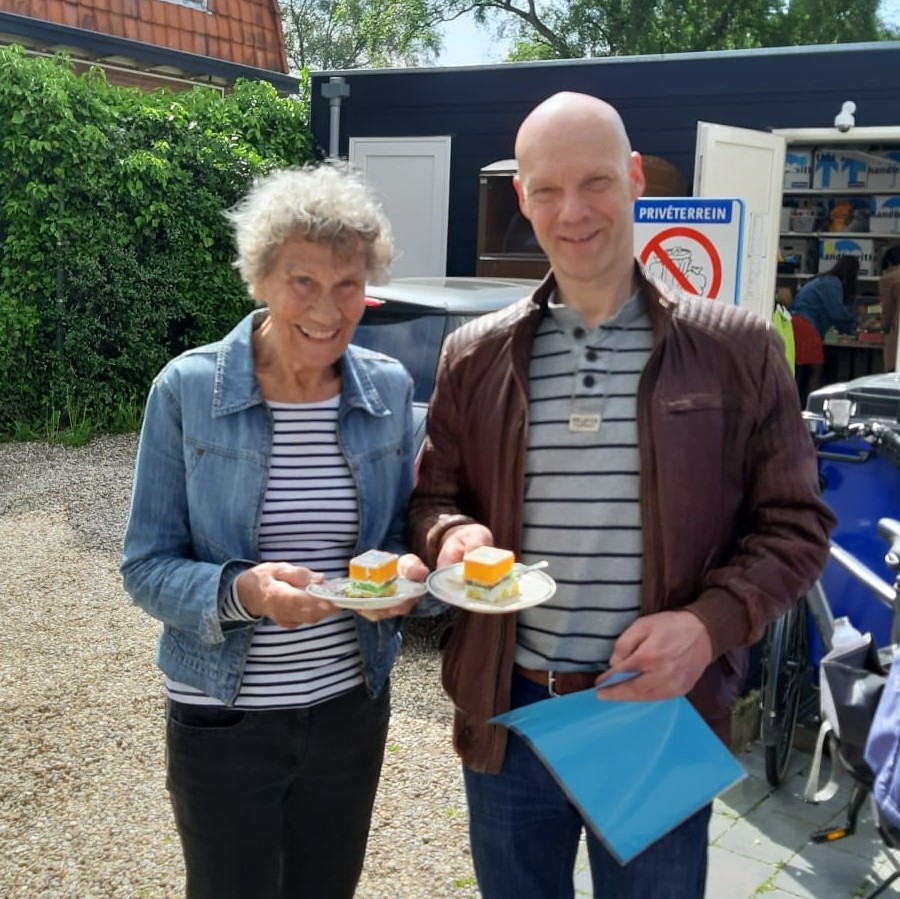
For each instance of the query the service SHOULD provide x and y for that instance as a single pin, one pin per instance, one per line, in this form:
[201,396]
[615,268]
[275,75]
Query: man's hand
[670,650]
[462,539]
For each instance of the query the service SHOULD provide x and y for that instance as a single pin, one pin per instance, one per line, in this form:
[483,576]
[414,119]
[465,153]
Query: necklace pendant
[584,422]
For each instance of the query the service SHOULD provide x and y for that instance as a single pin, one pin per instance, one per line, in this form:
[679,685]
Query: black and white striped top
[582,509]
[309,517]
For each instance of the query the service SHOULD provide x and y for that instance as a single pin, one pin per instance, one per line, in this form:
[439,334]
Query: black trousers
[275,804]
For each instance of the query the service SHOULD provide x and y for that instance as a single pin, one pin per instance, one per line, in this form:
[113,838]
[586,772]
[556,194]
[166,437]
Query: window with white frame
[190,4]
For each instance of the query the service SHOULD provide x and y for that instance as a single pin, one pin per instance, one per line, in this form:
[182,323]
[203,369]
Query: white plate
[447,584]
[335,591]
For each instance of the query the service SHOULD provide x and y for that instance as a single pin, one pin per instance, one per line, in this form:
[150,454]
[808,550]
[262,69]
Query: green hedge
[114,254]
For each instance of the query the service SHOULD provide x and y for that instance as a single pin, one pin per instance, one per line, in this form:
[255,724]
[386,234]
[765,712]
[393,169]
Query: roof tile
[200,44]
[70,15]
[186,19]
[102,21]
[172,22]
[154,11]
[130,29]
[145,31]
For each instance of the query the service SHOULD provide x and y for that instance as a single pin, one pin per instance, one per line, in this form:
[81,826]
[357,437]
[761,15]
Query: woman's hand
[411,567]
[275,590]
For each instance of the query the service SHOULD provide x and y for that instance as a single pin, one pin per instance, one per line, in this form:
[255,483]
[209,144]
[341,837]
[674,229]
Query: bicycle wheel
[784,671]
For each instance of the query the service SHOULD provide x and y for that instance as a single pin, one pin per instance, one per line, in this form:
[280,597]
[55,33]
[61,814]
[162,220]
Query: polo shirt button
[588,380]
[579,333]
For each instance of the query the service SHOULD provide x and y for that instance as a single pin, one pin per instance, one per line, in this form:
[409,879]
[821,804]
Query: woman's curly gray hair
[326,204]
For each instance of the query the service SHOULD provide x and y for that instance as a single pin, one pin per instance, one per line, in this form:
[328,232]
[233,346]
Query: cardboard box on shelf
[885,217]
[839,170]
[884,175]
[863,248]
[798,255]
[798,168]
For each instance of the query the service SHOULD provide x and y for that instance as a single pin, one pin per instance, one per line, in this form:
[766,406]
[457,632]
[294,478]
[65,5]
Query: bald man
[651,447]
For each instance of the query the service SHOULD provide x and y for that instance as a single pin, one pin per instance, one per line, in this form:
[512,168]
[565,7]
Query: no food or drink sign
[691,244]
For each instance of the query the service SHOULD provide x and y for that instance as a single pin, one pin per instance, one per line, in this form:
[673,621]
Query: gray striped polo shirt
[582,486]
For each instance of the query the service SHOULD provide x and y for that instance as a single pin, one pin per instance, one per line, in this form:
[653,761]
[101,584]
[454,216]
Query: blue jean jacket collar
[237,388]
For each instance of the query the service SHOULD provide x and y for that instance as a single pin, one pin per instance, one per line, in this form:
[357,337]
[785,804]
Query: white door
[739,162]
[412,177]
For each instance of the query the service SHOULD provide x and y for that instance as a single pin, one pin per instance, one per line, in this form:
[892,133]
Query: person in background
[822,303]
[651,448]
[267,461]
[889,297]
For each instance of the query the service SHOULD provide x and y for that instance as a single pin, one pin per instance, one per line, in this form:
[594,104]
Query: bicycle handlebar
[886,438]
[881,437]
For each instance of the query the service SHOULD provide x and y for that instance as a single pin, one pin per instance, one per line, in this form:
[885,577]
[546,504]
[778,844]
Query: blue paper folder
[634,769]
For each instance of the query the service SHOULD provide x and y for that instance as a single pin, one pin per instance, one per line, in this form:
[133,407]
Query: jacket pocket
[693,402]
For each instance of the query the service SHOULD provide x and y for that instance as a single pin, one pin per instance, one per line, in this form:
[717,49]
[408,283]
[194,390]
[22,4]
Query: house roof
[245,33]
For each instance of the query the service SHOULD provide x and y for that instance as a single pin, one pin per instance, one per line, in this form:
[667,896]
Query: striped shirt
[582,509]
[309,517]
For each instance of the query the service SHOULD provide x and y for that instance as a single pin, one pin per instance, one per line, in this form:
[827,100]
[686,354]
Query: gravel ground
[83,807]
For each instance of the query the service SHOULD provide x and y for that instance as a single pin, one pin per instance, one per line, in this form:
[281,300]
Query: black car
[409,318]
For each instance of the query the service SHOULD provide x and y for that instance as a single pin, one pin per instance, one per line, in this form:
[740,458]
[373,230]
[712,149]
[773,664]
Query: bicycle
[795,643]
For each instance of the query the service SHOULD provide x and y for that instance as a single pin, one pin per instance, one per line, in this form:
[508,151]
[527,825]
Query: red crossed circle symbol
[655,248]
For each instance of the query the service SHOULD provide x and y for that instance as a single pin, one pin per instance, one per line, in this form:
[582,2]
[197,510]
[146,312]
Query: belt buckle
[551,683]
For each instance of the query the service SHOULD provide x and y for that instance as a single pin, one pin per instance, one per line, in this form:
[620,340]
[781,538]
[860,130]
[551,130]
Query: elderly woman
[267,461]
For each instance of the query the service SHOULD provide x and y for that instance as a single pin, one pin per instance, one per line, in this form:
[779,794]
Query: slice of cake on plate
[488,574]
[374,574]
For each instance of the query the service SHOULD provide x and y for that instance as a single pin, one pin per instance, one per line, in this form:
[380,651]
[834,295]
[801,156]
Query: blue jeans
[524,835]
[275,804]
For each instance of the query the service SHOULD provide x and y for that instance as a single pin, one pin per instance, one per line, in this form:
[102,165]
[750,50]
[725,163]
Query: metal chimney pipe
[335,91]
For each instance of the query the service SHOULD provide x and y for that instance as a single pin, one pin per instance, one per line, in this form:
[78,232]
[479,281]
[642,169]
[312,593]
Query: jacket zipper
[652,561]
[508,621]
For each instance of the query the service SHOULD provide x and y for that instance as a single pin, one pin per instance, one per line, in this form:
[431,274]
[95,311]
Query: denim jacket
[199,482]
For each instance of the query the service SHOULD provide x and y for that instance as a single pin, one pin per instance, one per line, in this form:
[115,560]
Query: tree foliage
[556,29]
[114,253]
[351,34]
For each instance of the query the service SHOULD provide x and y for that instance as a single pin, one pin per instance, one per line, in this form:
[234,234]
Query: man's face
[577,185]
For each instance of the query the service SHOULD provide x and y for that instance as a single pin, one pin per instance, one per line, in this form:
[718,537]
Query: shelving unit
[844,359]
[805,276]
[865,149]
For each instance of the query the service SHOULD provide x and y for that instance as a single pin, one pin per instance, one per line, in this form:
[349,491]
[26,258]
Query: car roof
[454,295]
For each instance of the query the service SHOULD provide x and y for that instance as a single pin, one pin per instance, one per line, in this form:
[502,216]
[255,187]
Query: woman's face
[315,298]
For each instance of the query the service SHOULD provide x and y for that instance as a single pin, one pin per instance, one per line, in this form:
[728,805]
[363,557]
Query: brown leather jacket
[734,529]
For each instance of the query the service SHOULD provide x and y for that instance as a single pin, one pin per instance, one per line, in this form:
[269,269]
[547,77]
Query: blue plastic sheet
[635,770]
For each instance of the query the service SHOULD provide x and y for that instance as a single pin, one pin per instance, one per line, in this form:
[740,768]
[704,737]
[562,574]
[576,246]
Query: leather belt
[560,683]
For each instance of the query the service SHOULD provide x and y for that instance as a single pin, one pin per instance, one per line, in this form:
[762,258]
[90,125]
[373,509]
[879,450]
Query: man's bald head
[566,117]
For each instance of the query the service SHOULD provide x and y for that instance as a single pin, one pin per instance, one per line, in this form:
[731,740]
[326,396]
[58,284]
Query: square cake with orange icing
[488,574]
[374,573]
